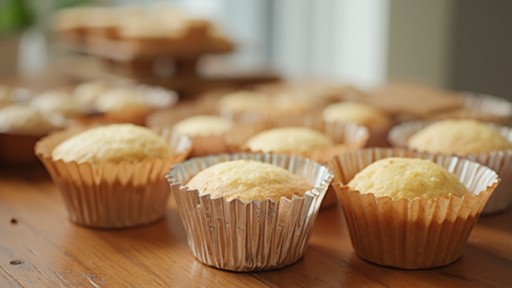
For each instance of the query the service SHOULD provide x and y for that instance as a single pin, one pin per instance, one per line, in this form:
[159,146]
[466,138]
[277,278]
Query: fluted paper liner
[249,236]
[499,161]
[202,145]
[411,234]
[346,137]
[111,195]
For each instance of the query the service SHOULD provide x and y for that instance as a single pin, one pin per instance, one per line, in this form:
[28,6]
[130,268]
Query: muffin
[232,207]
[132,103]
[285,139]
[377,121]
[21,126]
[480,107]
[487,144]
[59,102]
[89,92]
[459,137]
[313,139]
[251,106]
[205,129]
[111,176]
[410,213]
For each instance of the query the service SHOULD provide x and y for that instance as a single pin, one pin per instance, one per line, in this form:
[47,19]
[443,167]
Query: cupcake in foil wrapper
[480,107]
[249,236]
[111,195]
[345,136]
[202,144]
[411,234]
[499,161]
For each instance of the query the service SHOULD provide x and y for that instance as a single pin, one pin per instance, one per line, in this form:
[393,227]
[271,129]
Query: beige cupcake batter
[203,125]
[359,113]
[112,143]
[288,139]
[460,137]
[407,178]
[25,120]
[248,180]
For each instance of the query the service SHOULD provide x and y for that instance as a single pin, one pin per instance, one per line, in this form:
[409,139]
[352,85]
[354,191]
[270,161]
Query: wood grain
[56,253]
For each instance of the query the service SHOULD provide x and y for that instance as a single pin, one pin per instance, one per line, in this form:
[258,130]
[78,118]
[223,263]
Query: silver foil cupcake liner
[249,236]
[499,161]
[112,195]
[411,234]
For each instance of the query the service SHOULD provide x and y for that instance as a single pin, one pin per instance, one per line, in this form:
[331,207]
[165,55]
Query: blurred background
[461,45]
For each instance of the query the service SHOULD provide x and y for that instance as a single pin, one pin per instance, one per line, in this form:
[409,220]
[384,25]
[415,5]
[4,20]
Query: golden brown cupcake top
[360,113]
[24,119]
[288,139]
[407,178]
[202,125]
[112,143]
[460,137]
[248,180]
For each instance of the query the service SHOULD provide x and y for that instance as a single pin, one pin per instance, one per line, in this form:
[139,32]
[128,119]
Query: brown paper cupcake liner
[111,195]
[249,236]
[346,136]
[411,234]
[499,161]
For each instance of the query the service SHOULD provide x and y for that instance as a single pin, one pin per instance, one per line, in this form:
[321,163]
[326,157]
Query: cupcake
[112,176]
[487,144]
[248,212]
[21,126]
[377,121]
[480,107]
[205,129]
[410,213]
[128,103]
[59,102]
[253,106]
[314,139]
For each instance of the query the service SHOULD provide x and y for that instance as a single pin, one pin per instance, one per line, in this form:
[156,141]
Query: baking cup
[110,195]
[346,136]
[202,145]
[499,161]
[411,234]
[249,236]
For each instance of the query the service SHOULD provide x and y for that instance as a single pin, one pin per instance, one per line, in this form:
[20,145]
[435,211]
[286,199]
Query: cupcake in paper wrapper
[112,195]
[499,161]
[345,136]
[417,233]
[480,107]
[249,236]
[203,144]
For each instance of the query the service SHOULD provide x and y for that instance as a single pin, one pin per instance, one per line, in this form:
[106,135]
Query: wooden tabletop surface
[39,247]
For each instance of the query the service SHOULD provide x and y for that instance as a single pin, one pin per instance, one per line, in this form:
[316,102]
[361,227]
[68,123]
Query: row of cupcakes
[255,211]
[246,217]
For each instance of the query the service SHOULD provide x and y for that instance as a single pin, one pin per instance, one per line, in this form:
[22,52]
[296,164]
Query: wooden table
[39,247]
